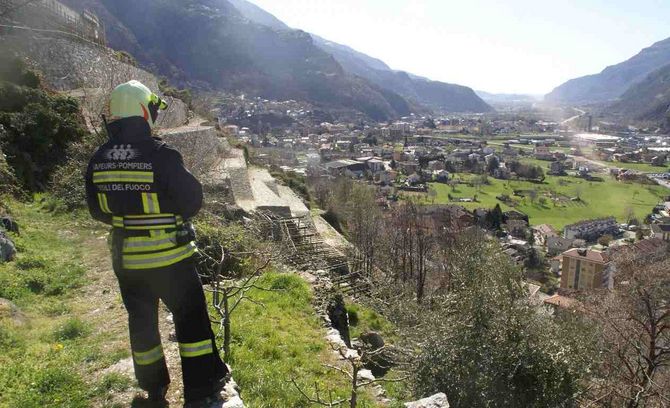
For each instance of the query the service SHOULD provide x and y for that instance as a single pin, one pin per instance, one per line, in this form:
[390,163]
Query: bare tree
[635,322]
[353,367]
[364,220]
[228,294]
[453,183]
[628,214]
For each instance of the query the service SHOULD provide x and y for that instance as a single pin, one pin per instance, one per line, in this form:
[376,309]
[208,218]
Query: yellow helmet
[134,99]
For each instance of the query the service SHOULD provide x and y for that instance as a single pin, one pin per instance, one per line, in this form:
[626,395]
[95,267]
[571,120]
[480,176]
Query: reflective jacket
[140,186]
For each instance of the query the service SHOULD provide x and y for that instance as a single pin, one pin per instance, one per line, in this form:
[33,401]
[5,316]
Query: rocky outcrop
[9,224]
[436,401]
[378,361]
[10,312]
[7,248]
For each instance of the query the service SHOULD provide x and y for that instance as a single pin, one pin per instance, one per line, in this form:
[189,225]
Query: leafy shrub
[286,282]
[296,182]
[67,182]
[55,308]
[7,179]
[37,128]
[183,94]
[352,313]
[14,70]
[8,338]
[213,234]
[125,57]
[72,328]
[333,219]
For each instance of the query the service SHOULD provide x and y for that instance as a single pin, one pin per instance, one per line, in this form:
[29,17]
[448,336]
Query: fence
[51,14]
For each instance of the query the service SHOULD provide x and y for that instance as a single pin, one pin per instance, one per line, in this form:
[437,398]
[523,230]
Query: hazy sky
[526,46]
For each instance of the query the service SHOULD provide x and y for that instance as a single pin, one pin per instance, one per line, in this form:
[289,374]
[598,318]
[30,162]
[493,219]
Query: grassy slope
[63,282]
[52,360]
[599,199]
[280,340]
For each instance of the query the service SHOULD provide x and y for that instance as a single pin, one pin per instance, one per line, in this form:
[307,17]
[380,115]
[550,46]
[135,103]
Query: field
[643,167]
[552,204]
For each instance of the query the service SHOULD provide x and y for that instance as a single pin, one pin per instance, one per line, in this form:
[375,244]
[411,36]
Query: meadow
[554,202]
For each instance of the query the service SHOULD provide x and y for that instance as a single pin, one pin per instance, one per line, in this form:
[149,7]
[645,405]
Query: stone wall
[85,71]
[200,146]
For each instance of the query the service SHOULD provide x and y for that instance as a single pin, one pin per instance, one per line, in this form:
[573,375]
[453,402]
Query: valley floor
[554,204]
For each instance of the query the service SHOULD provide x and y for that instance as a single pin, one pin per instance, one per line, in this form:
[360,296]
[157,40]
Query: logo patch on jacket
[122,152]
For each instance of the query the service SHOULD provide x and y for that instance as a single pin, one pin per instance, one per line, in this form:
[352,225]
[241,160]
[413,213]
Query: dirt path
[102,307]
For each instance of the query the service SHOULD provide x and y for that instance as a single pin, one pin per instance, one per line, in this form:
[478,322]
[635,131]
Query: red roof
[546,229]
[593,256]
[641,248]
[561,301]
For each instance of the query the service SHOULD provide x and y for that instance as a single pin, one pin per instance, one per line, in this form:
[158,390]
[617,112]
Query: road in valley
[568,120]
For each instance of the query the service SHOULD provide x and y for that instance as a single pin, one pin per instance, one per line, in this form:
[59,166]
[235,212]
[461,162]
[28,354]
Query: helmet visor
[156,104]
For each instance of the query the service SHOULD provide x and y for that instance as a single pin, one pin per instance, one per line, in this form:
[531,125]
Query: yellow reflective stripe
[149,244]
[196,349]
[104,205]
[149,227]
[148,216]
[159,259]
[149,357]
[118,176]
[150,203]
[147,222]
[117,222]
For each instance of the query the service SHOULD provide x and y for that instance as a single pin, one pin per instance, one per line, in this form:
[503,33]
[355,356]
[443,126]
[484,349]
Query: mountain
[419,91]
[494,98]
[210,44]
[615,80]
[258,15]
[648,100]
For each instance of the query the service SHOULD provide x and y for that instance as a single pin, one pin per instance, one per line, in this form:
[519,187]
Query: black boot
[158,395]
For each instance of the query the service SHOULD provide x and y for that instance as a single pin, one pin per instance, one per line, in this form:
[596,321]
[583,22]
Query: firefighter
[139,186]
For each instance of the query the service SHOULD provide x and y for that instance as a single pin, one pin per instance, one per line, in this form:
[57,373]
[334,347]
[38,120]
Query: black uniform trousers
[180,288]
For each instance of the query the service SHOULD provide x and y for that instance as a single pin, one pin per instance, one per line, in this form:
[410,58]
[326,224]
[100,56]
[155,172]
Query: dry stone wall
[200,146]
[86,71]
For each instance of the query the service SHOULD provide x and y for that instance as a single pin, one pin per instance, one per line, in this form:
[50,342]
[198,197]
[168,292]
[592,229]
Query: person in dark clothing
[139,186]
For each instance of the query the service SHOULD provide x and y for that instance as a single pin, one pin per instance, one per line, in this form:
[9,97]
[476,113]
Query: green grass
[363,319]
[643,167]
[599,199]
[280,340]
[47,361]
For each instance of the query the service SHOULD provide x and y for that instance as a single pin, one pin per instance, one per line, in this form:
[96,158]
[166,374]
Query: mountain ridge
[648,100]
[418,90]
[615,80]
[209,44]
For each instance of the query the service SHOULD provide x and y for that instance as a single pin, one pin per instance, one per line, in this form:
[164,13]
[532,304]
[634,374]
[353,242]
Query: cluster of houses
[408,154]
[583,268]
